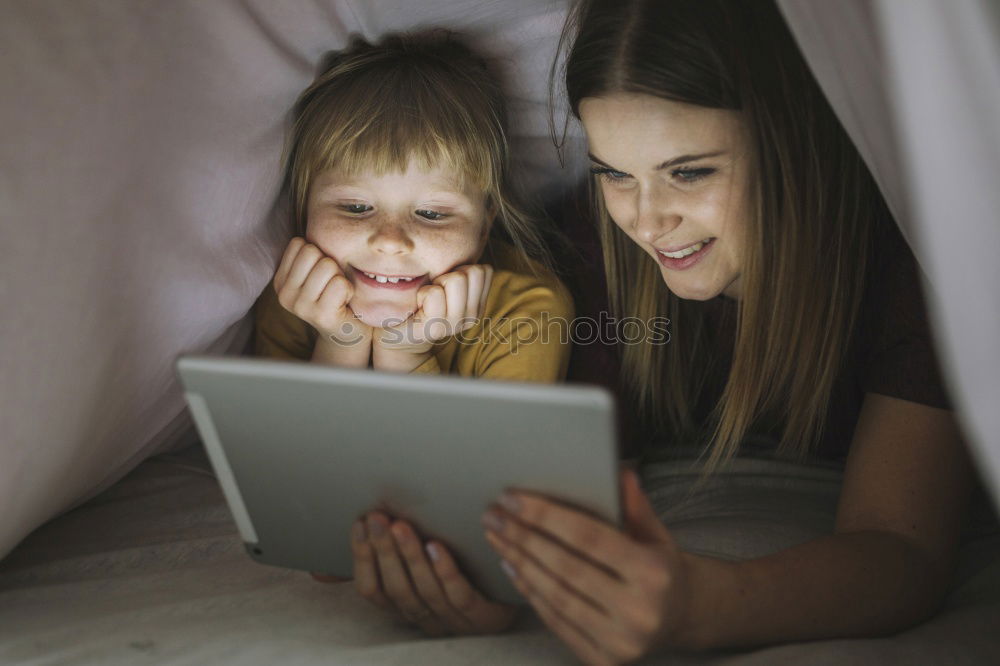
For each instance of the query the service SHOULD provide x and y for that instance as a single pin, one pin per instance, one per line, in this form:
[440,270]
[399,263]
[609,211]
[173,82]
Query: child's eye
[355,208]
[432,215]
[690,175]
[610,175]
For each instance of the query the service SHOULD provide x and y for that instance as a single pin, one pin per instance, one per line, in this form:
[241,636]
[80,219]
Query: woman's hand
[611,596]
[313,287]
[452,303]
[420,582]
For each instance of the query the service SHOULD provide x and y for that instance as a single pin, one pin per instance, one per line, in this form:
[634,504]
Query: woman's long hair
[812,209]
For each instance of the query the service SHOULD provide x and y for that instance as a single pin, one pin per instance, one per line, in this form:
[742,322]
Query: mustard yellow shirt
[524,333]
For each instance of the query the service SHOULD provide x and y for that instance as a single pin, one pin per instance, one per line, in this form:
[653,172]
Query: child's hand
[420,582]
[452,303]
[312,286]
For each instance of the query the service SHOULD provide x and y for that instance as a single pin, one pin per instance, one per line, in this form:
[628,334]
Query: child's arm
[887,566]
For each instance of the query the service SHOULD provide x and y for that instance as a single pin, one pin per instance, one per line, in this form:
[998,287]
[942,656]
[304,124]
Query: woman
[733,202]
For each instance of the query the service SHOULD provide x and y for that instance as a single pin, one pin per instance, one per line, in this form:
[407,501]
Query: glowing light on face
[393,233]
[674,178]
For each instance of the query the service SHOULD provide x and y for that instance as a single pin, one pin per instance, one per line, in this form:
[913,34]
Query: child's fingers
[484,615]
[395,580]
[475,277]
[433,324]
[322,272]
[456,289]
[424,579]
[336,294]
[307,257]
[366,579]
[487,283]
[287,259]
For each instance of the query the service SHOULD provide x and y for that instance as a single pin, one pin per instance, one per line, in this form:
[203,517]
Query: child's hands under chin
[312,286]
[420,582]
[452,303]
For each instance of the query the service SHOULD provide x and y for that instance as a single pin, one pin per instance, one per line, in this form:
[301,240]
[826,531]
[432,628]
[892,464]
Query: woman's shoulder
[523,284]
[895,336]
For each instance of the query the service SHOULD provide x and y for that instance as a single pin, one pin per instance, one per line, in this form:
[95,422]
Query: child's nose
[389,237]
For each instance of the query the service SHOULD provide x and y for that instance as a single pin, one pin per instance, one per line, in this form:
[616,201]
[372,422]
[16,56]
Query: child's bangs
[385,130]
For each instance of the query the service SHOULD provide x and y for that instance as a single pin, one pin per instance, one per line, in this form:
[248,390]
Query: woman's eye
[610,175]
[355,208]
[431,215]
[691,175]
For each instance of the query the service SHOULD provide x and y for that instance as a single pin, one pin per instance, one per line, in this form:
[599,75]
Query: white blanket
[152,571]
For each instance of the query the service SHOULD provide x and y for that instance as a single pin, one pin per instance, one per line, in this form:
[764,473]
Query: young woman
[733,202]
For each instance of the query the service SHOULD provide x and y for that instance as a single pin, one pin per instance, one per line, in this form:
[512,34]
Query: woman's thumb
[641,521]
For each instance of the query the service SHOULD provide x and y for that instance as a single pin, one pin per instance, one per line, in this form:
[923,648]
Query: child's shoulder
[521,284]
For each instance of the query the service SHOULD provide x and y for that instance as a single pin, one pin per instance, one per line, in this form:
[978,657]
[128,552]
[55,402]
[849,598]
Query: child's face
[674,178]
[419,224]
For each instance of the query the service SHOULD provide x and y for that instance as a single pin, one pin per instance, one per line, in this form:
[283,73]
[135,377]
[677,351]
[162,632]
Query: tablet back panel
[302,450]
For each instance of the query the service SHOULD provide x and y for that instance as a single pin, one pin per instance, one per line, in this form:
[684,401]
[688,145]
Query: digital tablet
[302,450]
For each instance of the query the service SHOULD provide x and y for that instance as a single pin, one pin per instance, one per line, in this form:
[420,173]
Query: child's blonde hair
[418,96]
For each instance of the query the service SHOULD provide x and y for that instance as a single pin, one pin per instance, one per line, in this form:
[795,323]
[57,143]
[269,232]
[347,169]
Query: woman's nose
[655,215]
[390,237]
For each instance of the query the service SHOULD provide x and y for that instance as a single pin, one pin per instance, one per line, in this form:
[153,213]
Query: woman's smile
[685,258]
[674,179]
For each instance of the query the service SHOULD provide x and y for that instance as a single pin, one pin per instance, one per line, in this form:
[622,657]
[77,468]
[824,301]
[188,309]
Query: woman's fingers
[578,591]
[582,643]
[533,522]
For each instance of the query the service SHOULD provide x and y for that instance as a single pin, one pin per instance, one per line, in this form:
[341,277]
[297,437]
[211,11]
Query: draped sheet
[917,85]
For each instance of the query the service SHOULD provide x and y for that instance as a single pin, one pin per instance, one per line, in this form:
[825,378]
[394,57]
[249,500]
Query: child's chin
[381,316]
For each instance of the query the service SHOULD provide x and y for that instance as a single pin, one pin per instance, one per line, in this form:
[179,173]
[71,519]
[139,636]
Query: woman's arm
[887,566]
[890,561]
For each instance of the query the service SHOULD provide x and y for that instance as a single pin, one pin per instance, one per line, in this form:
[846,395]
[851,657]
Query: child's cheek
[331,238]
[456,249]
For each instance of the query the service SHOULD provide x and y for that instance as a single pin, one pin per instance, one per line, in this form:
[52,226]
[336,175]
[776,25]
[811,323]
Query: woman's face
[674,178]
[393,233]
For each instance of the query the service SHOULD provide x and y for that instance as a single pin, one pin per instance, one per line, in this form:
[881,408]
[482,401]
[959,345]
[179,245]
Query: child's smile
[394,233]
[390,281]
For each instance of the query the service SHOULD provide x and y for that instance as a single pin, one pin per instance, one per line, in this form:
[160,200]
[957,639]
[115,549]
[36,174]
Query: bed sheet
[152,571]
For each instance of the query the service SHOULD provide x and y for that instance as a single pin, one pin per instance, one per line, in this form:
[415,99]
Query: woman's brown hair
[812,210]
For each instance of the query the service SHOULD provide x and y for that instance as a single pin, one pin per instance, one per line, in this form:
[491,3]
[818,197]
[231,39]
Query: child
[410,255]
[398,175]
